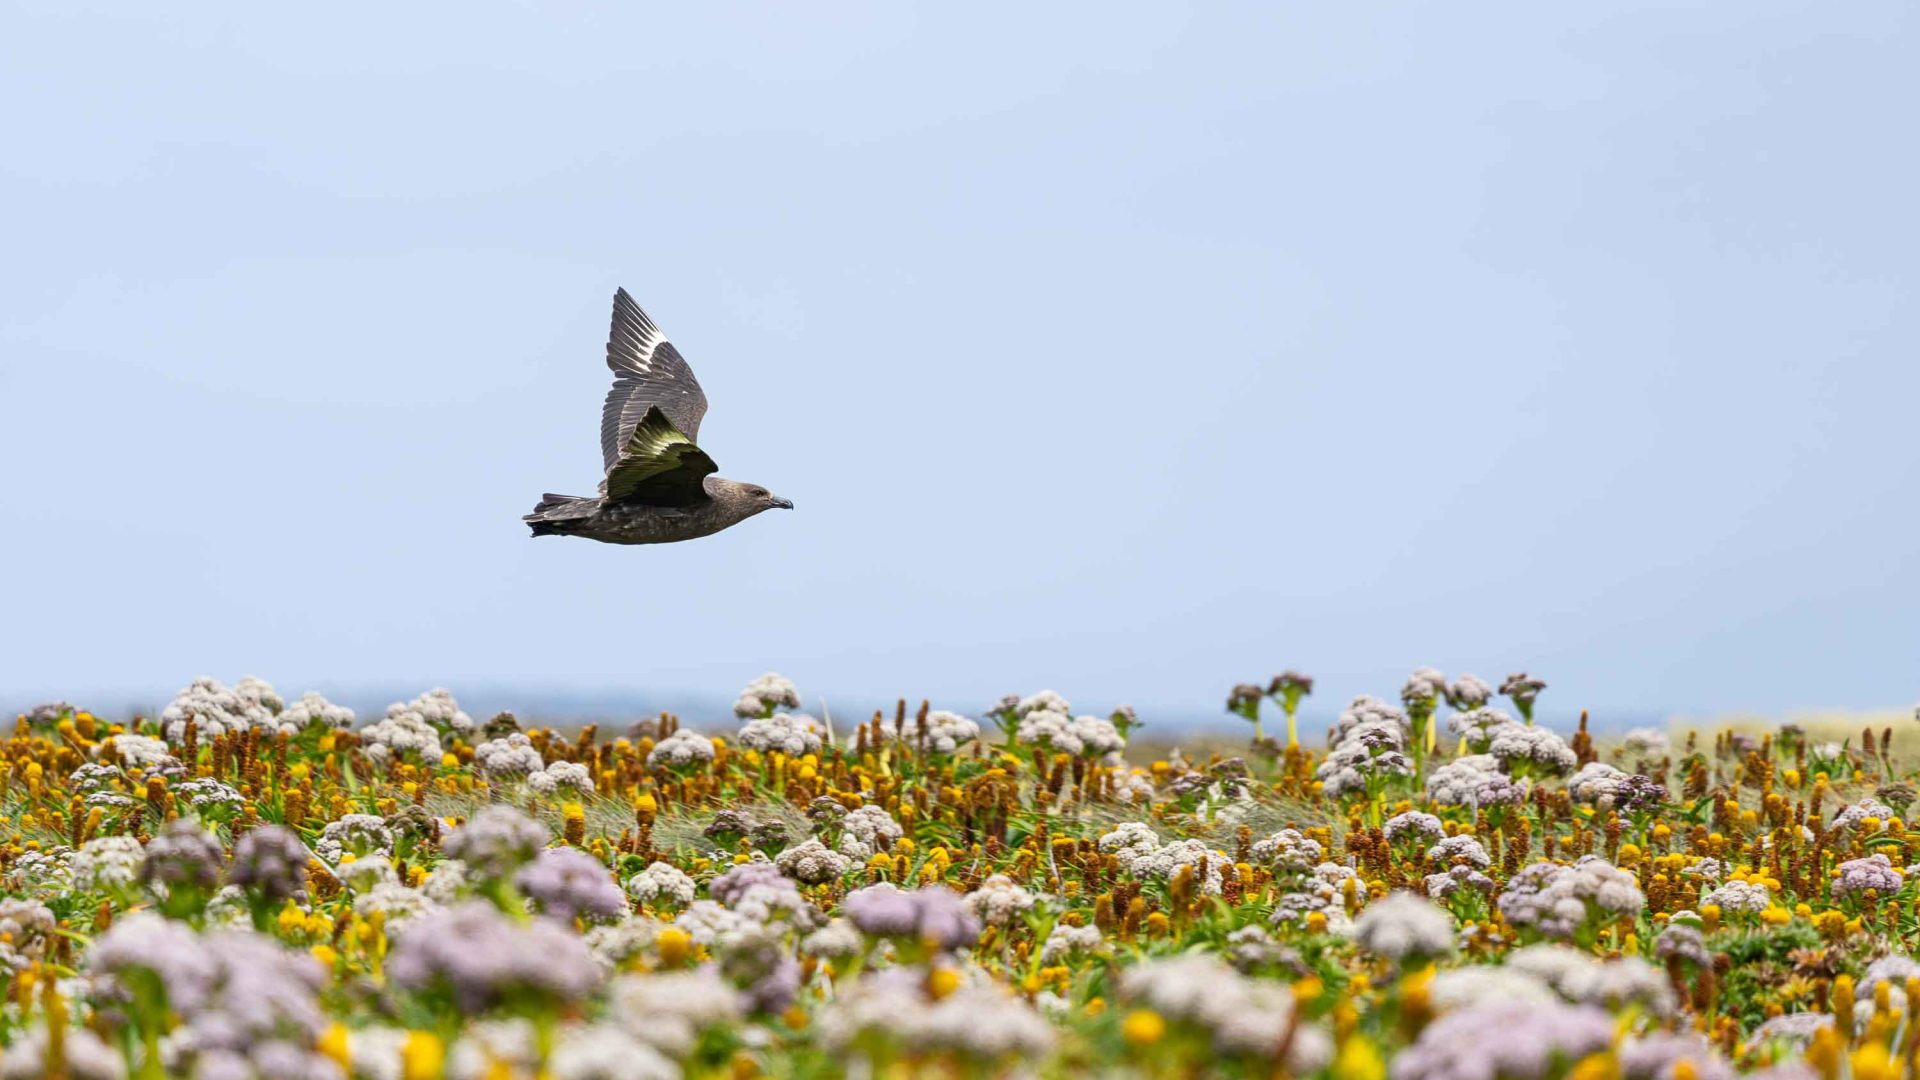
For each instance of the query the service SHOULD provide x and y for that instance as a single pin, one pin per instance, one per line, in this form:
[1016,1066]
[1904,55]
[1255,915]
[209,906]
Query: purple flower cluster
[566,883]
[482,959]
[1535,1040]
[495,842]
[270,862]
[1875,872]
[933,916]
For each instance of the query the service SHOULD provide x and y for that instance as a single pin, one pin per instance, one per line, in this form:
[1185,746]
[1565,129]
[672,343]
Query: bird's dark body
[635,523]
[659,487]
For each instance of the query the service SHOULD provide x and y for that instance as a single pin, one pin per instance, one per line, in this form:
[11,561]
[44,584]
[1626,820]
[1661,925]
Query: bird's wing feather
[658,466]
[648,372]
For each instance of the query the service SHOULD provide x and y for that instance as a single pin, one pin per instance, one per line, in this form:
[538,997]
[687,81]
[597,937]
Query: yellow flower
[333,1044]
[1359,1059]
[675,946]
[1872,1062]
[326,956]
[942,982]
[423,1057]
[1143,1027]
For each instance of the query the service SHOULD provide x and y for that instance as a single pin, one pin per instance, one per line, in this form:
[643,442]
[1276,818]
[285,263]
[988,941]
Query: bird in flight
[660,486]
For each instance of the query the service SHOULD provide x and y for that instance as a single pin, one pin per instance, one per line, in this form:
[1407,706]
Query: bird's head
[751,498]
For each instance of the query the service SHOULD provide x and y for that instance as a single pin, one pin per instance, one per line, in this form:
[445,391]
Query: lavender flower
[568,884]
[183,859]
[1524,690]
[481,959]
[270,863]
[1413,825]
[1468,692]
[1682,943]
[932,916]
[1535,1041]
[1875,872]
[1570,901]
[495,843]
[1479,726]
[1459,849]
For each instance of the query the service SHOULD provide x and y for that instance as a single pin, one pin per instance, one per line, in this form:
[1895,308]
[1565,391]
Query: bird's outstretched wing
[648,372]
[658,466]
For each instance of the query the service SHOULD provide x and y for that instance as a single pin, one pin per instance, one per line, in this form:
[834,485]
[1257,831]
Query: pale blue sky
[1131,350]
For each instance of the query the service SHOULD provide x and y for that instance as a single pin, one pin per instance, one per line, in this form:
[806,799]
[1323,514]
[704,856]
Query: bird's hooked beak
[783,504]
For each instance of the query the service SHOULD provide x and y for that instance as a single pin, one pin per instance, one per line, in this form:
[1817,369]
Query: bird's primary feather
[648,372]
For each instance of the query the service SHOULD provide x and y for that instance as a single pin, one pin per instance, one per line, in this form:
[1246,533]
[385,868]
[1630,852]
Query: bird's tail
[554,515]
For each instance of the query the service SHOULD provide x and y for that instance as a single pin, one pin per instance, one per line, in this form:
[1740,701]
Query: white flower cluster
[979,1022]
[668,1011]
[1856,815]
[867,832]
[999,900]
[1064,941]
[1595,781]
[764,695]
[1367,710]
[1402,926]
[1044,701]
[437,708]
[1090,736]
[1645,742]
[1739,897]
[1143,855]
[141,751]
[218,710]
[681,749]
[947,732]
[561,774]
[1244,1017]
[1478,726]
[1369,748]
[314,709]
[354,834]
[1532,750]
[661,881]
[1288,851]
[514,755]
[404,732]
[1324,894]
[792,734]
[812,863]
[1583,980]
[1474,781]
[107,863]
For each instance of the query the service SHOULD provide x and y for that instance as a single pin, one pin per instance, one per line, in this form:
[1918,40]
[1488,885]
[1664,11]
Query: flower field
[1436,889]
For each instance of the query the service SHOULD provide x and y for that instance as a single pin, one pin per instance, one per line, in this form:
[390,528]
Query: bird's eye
[759,493]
